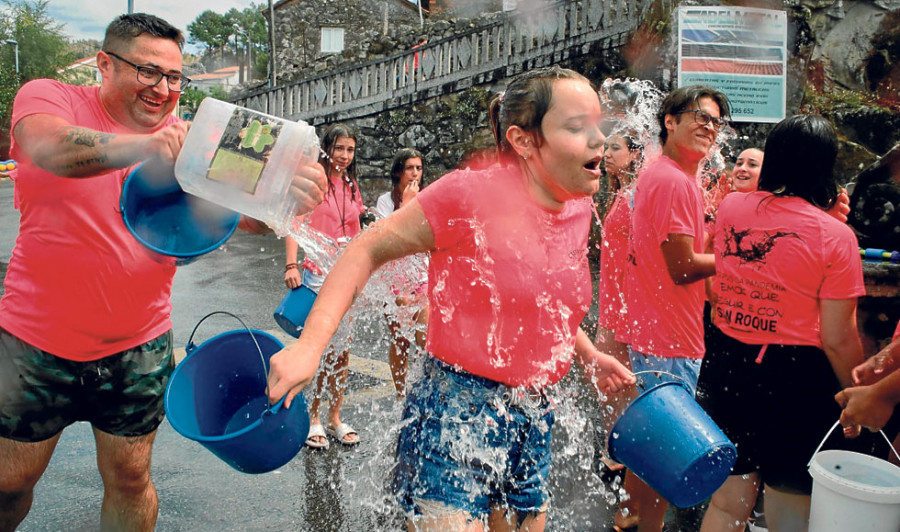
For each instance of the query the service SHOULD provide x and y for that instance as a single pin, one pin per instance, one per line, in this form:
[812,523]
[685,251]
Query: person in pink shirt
[744,178]
[338,218]
[663,293]
[787,279]
[92,341]
[508,286]
[622,158]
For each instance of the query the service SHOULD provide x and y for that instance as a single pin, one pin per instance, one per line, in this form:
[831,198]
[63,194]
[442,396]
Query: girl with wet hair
[508,287]
[337,217]
[788,276]
[622,158]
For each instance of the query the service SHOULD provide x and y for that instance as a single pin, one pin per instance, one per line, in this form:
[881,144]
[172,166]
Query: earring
[525,156]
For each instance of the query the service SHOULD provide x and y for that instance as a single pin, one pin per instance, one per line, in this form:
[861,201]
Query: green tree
[218,33]
[42,50]
[212,29]
[191,97]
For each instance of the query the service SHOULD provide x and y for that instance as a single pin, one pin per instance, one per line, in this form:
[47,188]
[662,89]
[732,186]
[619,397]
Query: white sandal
[342,431]
[316,430]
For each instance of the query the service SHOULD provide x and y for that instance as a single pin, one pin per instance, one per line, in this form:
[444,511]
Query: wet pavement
[335,490]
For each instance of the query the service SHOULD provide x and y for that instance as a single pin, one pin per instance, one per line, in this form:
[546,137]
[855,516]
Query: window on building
[332,40]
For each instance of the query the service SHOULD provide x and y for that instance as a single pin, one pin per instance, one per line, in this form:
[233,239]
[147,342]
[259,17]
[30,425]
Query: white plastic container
[245,160]
[854,492]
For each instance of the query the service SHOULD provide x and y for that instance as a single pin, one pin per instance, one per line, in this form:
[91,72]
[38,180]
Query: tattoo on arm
[84,137]
[87,163]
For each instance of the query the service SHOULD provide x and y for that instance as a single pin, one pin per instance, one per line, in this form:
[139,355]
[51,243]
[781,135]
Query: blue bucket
[172,224]
[294,308]
[673,445]
[218,396]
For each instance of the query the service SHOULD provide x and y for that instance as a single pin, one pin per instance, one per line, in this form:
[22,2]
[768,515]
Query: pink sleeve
[843,267]
[445,203]
[43,96]
[672,209]
[896,333]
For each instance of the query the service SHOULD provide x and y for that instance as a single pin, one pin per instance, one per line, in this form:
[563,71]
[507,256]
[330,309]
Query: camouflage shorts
[122,394]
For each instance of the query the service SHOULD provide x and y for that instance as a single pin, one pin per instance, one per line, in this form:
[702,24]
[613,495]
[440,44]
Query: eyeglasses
[151,77]
[703,118]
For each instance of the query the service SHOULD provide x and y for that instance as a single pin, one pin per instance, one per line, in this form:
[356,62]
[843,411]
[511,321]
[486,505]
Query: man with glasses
[85,328]
[666,264]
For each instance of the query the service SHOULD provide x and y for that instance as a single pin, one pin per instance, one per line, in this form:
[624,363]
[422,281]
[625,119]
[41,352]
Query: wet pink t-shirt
[666,319]
[613,252]
[338,216]
[776,258]
[508,283]
[78,285]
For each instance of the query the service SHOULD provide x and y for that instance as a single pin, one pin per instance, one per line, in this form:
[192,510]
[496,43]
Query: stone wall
[449,130]
[366,36]
[446,130]
[298,32]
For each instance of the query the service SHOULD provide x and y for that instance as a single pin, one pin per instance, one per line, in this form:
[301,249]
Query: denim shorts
[311,280]
[662,369]
[470,443]
[122,394]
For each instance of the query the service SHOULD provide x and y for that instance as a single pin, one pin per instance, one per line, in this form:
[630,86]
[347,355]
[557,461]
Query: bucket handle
[657,372]
[190,345]
[836,425]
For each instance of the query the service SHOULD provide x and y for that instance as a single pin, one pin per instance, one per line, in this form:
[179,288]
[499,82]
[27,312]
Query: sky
[87,19]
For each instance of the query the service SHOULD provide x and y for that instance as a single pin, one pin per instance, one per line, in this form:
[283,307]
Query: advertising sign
[740,51]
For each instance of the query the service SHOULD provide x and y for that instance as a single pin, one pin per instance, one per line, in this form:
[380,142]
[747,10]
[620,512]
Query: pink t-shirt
[776,258]
[613,252]
[508,283]
[666,319]
[79,285]
[338,215]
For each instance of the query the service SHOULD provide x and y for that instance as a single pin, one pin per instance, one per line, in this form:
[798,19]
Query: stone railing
[519,41]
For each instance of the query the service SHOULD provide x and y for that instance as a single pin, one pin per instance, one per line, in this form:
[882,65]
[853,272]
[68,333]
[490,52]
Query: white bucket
[853,492]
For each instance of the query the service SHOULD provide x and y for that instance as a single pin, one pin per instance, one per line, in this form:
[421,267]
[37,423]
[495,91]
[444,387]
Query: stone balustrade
[519,41]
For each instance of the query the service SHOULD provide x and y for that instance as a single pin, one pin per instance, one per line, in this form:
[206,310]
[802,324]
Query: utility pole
[240,58]
[273,76]
[16,45]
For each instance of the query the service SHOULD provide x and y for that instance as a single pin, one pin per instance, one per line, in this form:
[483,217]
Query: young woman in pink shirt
[787,279]
[338,218]
[508,287]
[622,158]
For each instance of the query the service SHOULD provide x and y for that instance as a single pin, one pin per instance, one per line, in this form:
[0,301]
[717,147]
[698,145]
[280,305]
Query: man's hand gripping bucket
[672,444]
[218,396]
